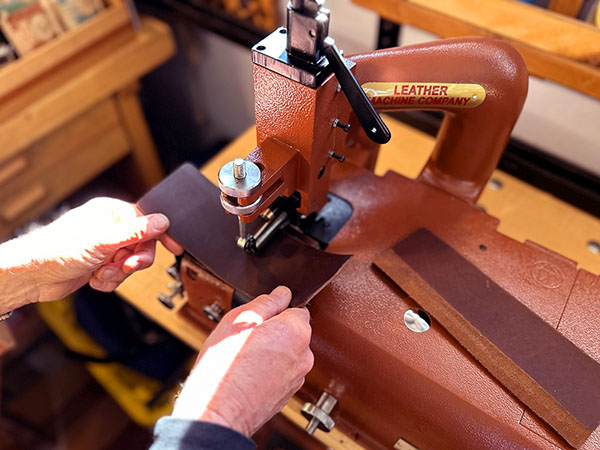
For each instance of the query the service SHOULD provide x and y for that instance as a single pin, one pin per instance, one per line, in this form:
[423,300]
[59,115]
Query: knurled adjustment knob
[318,415]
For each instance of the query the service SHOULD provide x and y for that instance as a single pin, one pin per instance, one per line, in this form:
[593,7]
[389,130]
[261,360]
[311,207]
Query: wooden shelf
[553,46]
[55,52]
[74,86]
[69,110]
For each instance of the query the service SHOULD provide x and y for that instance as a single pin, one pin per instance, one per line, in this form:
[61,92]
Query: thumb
[136,230]
[270,305]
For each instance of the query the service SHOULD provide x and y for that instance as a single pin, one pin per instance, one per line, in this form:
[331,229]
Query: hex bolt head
[343,126]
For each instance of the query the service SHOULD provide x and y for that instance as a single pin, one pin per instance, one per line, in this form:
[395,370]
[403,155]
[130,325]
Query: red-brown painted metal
[390,382]
[470,141]
[291,115]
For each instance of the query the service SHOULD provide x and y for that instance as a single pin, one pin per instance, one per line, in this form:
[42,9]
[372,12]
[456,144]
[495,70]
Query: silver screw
[213,311]
[495,184]
[338,124]
[593,247]
[239,169]
[414,322]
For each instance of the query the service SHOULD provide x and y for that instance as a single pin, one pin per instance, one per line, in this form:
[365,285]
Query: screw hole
[321,172]
[481,208]
[261,48]
[312,33]
[594,247]
[482,247]
[283,31]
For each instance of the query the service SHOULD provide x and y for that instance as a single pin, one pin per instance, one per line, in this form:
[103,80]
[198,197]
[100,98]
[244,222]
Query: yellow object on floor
[130,389]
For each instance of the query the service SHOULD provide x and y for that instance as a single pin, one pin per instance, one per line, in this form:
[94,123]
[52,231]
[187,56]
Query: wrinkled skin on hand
[101,242]
[250,366]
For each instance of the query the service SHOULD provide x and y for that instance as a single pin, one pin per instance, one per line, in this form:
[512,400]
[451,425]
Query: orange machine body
[394,385]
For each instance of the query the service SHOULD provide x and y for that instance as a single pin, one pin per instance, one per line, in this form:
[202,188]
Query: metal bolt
[173,272]
[319,413]
[593,247]
[267,214]
[495,184]
[334,155]
[213,311]
[166,300]
[343,126]
[239,169]
[239,178]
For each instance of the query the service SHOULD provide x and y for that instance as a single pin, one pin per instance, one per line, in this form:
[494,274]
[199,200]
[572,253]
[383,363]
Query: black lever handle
[367,116]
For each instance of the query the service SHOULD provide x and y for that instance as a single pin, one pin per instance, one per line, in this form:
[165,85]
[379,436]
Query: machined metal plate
[324,226]
[271,53]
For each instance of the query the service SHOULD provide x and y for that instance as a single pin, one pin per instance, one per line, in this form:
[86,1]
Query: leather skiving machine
[430,328]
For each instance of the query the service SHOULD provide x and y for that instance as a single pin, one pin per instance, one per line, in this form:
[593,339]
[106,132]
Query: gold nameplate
[391,96]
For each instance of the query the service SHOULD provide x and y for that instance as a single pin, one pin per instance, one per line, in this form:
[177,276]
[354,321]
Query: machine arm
[471,140]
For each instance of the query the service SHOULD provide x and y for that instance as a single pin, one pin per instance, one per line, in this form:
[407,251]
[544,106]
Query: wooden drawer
[46,172]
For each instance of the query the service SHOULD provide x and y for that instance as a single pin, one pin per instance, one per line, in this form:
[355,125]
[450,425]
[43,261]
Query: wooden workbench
[524,213]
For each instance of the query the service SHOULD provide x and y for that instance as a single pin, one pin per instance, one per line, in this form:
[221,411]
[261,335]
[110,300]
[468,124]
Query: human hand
[101,242]
[250,366]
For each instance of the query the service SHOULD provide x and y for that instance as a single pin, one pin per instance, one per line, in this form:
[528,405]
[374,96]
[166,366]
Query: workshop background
[556,120]
[91,372]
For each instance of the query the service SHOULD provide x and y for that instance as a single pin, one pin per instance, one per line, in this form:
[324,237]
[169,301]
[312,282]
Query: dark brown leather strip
[535,362]
[207,232]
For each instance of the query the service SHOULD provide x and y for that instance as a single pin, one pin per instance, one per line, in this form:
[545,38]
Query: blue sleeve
[181,434]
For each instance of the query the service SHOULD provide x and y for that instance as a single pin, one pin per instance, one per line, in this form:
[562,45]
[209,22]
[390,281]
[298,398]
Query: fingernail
[282,293]
[158,221]
[96,283]
[107,274]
